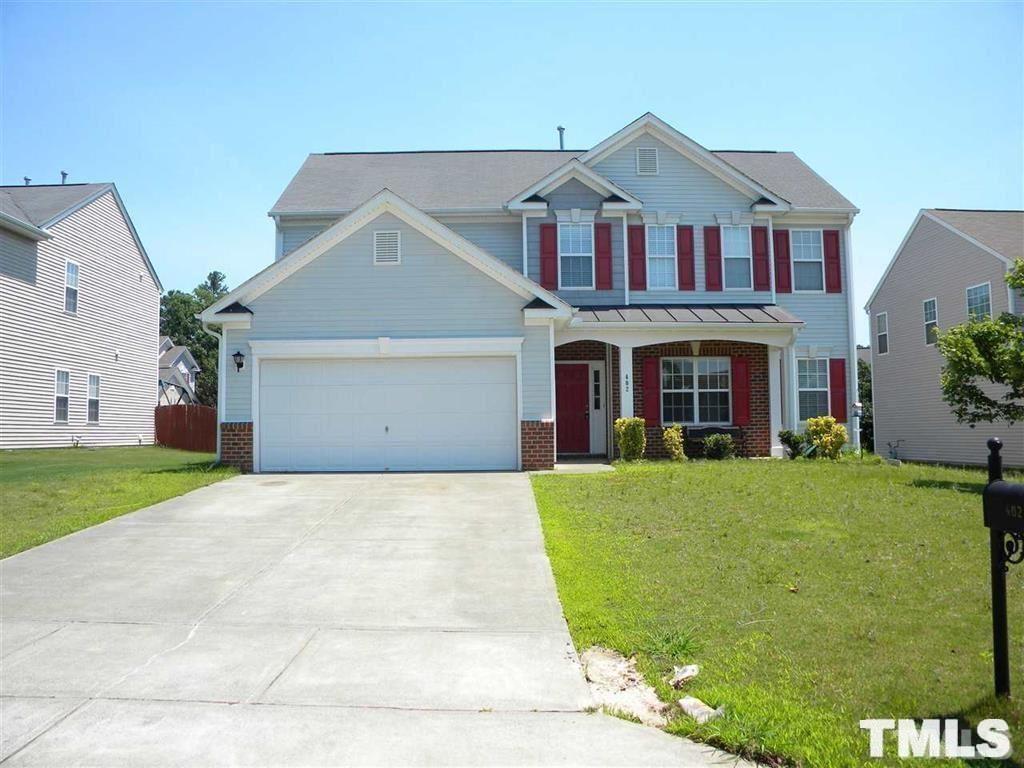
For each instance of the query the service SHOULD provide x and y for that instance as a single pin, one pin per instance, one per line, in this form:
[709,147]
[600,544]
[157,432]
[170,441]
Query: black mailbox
[1004,506]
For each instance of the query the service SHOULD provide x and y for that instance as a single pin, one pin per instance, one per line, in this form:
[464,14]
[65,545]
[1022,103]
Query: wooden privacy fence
[188,427]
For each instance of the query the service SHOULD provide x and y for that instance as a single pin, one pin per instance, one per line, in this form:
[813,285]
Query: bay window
[737,261]
[812,385]
[695,390]
[576,255]
[661,257]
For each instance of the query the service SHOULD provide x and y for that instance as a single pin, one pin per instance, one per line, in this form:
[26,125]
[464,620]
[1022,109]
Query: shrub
[794,442]
[631,435]
[673,439]
[719,446]
[827,436]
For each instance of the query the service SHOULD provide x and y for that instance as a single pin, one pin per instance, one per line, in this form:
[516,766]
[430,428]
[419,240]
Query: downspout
[852,334]
[220,380]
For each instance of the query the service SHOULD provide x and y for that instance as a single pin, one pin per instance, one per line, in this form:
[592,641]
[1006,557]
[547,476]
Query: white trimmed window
[70,287]
[931,321]
[737,261]
[808,260]
[576,255]
[387,247]
[695,390]
[882,333]
[979,302]
[661,257]
[812,386]
[61,396]
[646,161]
[93,398]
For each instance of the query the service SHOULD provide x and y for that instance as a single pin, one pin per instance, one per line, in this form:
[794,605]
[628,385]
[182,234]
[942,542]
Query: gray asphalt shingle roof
[487,179]
[1002,231]
[38,203]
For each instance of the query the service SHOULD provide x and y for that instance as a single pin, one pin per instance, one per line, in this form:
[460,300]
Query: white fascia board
[383,202]
[655,126]
[540,208]
[23,228]
[643,334]
[574,169]
[386,347]
[337,212]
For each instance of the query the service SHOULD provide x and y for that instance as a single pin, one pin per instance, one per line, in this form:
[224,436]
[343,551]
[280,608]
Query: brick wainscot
[236,444]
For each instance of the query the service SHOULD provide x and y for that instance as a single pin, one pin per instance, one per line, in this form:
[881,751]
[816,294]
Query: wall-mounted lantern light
[239,359]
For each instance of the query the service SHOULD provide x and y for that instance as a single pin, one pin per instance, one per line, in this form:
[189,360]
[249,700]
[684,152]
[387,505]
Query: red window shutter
[783,273]
[762,273]
[684,258]
[837,388]
[652,391]
[833,272]
[740,391]
[637,258]
[712,259]
[603,256]
[549,256]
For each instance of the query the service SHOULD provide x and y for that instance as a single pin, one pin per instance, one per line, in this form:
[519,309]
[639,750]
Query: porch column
[625,382]
[775,399]
[789,386]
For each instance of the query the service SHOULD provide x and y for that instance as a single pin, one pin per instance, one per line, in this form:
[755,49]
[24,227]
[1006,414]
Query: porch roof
[689,314]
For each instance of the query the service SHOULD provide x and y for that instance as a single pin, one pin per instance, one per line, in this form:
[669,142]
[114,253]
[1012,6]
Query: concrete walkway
[305,620]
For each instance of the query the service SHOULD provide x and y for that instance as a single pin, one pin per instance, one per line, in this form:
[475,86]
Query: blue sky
[201,113]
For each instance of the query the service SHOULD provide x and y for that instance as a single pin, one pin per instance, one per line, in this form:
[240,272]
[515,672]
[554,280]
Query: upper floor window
[882,333]
[61,395]
[695,390]
[812,386]
[576,255]
[70,287]
[93,405]
[979,302]
[736,258]
[646,161]
[661,257]
[387,247]
[931,321]
[808,260]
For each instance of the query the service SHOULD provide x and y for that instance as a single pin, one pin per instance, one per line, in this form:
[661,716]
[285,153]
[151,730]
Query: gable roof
[586,175]
[790,178]
[171,355]
[999,233]
[385,201]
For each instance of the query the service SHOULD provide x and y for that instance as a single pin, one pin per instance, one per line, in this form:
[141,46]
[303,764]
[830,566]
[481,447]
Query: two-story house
[494,309]
[951,266]
[178,373]
[79,319]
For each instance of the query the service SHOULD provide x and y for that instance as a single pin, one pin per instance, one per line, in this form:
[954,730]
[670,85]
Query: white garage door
[377,415]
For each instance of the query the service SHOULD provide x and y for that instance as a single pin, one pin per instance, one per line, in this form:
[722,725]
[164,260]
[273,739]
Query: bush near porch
[812,594]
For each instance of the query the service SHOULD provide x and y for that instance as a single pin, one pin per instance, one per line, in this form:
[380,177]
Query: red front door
[572,407]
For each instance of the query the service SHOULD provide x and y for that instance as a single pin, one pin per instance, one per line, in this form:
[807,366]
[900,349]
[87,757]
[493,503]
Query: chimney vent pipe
[561,137]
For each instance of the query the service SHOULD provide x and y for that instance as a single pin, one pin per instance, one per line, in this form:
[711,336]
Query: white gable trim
[684,145]
[574,169]
[906,238]
[383,202]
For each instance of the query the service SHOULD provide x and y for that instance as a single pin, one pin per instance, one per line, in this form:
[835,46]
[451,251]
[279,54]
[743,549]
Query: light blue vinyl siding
[824,314]
[294,236]
[432,293]
[503,240]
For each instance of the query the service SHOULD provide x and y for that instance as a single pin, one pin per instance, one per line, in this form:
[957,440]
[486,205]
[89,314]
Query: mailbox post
[1004,517]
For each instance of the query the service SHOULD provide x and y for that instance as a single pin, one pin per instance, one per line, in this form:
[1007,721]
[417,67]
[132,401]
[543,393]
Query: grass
[812,594]
[50,493]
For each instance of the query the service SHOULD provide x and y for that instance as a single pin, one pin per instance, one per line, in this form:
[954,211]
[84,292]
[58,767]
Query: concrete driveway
[305,620]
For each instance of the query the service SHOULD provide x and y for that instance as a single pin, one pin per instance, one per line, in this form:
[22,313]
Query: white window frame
[879,334]
[750,255]
[89,397]
[927,322]
[696,392]
[398,236]
[674,257]
[793,260]
[828,384]
[56,395]
[75,288]
[593,260]
[657,161]
[967,297]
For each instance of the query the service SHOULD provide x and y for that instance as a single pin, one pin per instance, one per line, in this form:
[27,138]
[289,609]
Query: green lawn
[51,493]
[812,594]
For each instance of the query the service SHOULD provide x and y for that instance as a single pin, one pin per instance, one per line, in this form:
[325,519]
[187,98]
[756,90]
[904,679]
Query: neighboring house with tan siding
[950,264]
[79,319]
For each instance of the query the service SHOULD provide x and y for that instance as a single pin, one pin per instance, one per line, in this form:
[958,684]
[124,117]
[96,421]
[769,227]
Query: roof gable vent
[646,161]
[387,247]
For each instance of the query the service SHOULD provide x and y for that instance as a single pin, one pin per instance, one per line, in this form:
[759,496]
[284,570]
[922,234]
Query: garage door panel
[406,414]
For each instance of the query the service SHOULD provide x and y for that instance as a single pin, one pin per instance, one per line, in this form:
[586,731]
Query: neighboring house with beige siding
[79,320]
[951,264]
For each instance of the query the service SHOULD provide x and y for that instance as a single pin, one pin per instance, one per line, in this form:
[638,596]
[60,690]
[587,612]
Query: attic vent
[387,248]
[646,161]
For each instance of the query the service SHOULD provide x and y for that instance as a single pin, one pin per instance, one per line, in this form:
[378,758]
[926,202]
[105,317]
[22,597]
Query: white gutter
[23,228]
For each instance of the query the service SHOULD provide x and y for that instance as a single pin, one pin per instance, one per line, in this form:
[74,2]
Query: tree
[867,419]
[984,355]
[178,311]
